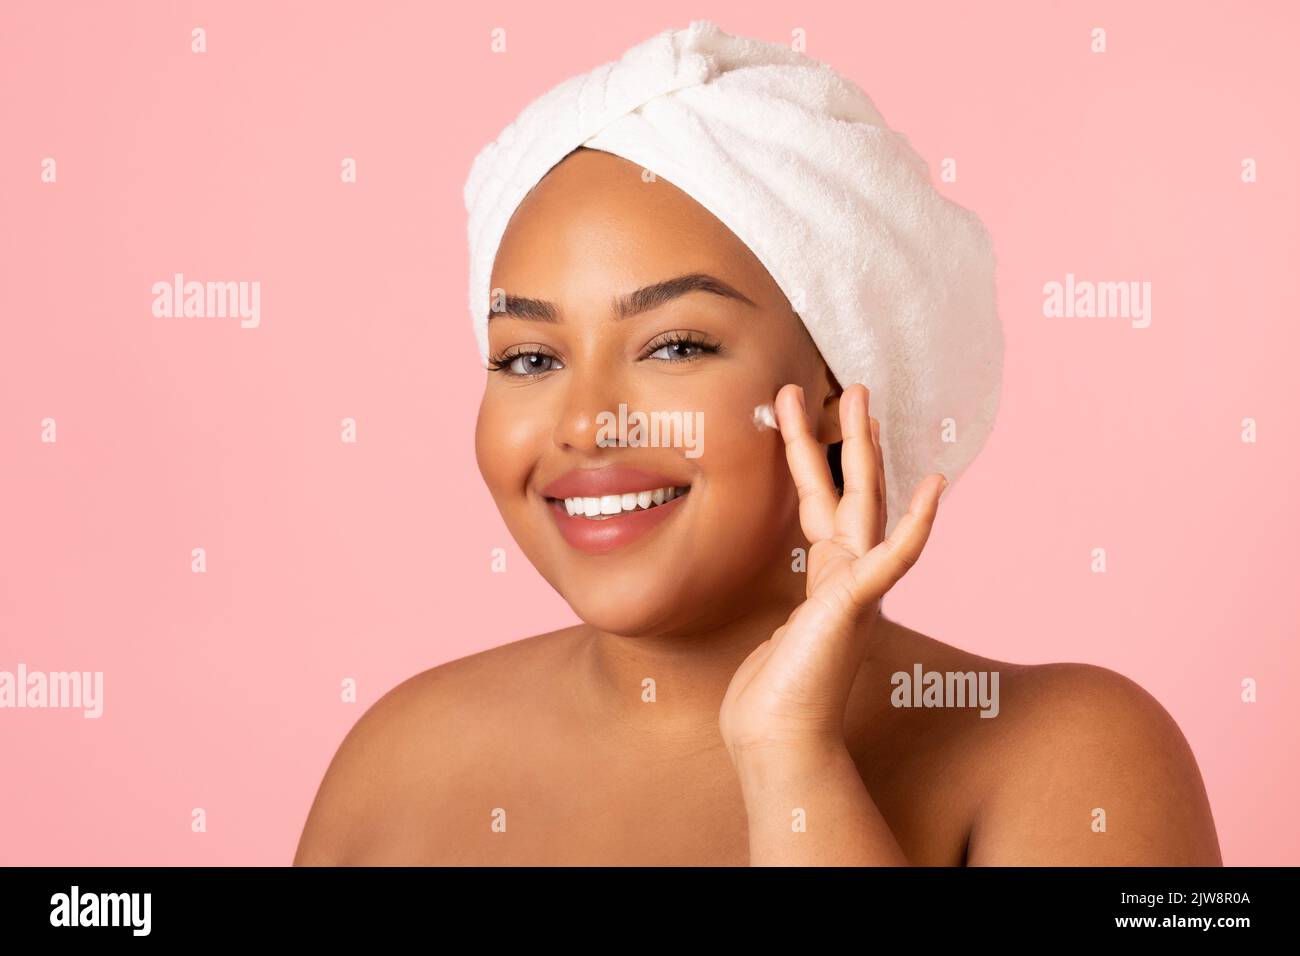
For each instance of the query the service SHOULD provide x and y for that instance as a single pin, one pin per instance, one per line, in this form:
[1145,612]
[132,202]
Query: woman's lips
[607,532]
[597,535]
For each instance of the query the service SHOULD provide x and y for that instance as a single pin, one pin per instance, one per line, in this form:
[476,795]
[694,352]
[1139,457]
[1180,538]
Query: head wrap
[894,282]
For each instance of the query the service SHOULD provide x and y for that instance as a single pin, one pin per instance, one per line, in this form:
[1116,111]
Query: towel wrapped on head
[894,282]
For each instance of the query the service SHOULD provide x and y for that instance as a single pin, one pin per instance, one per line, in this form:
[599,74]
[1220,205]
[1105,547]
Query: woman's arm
[1088,770]
[1095,772]
[811,808]
[782,717]
[355,811]
[345,792]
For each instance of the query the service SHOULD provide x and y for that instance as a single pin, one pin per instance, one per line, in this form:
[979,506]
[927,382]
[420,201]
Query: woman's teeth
[607,505]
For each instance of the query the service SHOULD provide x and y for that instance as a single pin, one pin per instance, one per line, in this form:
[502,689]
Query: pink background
[372,561]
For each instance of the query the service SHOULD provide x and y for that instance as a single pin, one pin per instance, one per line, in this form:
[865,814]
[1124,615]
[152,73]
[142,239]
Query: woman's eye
[525,364]
[681,350]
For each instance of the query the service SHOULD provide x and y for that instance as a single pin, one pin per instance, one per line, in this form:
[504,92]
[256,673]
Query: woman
[733,694]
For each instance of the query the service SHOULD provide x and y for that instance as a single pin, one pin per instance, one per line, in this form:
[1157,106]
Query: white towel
[894,282]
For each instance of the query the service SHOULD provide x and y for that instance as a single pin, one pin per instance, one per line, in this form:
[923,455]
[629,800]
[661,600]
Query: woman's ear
[827,422]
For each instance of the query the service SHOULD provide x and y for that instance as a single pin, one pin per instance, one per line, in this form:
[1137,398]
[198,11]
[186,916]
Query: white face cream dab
[765,416]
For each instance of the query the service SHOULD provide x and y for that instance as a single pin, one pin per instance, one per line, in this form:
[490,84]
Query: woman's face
[574,334]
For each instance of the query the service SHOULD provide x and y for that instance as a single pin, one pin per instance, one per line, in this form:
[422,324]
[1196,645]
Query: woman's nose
[590,401]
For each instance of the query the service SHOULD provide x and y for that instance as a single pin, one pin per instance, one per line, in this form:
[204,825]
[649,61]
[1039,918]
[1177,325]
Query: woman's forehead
[601,214]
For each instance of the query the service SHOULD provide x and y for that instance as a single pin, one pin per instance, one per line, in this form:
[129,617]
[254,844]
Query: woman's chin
[677,604]
[630,618]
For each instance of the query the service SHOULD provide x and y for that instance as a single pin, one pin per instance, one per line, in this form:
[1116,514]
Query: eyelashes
[504,362]
[524,361]
[682,339]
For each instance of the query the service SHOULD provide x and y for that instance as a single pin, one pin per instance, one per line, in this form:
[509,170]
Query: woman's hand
[790,695]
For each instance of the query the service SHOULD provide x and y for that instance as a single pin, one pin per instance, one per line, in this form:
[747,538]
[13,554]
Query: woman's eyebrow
[653,296]
[633,303]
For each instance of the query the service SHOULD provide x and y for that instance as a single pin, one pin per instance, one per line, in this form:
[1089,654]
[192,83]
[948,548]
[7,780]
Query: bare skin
[759,707]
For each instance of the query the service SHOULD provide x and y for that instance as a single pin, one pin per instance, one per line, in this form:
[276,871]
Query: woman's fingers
[858,516]
[880,472]
[880,568]
[808,466]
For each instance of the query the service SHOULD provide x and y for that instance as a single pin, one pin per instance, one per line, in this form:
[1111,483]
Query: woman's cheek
[749,481]
[507,444]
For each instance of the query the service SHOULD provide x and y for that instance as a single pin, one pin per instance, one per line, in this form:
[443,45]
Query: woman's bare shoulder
[1074,764]
[418,734]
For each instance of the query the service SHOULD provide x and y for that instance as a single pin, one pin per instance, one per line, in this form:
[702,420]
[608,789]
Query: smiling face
[620,291]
